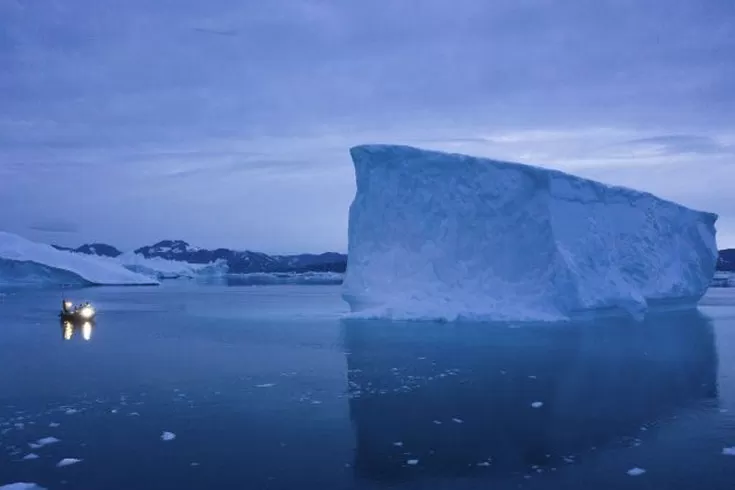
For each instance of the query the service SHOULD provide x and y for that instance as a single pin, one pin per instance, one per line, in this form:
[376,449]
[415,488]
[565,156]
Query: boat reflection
[454,399]
[82,329]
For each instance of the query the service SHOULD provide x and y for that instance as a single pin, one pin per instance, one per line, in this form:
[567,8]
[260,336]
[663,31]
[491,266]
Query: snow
[159,268]
[30,263]
[442,236]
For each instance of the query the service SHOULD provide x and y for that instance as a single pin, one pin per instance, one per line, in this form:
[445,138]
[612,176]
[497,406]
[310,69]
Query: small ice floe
[537,404]
[316,402]
[114,410]
[30,456]
[71,411]
[398,444]
[644,428]
[723,410]
[19,425]
[194,464]
[483,463]
[133,414]
[67,462]
[266,385]
[502,372]
[457,421]
[44,442]
[21,486]
[636,471]
[532,377]
[54,424]
[421,358]
[412,462]
[437,422]
[168,436]
[728,451]
[568,459]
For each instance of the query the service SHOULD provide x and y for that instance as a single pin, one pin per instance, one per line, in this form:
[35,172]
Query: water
[267,387]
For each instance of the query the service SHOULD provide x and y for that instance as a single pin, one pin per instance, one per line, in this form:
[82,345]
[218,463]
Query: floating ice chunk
[54,424]
[133,414]
[44,442]
[434,235]
[30,456]
[67,462]
[438,422]
[265,385]
[728,451]
[168,436]
[19,425]
[458,421]
[71,411]
[21,486]
[636,471]
[537,404]
[483,463]
[398,444]
[412,462]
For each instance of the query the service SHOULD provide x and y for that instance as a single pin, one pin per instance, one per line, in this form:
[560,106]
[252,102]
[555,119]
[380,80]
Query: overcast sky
[228,123]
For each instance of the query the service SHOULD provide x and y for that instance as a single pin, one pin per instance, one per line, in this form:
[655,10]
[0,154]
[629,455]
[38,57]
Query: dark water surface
[268,388]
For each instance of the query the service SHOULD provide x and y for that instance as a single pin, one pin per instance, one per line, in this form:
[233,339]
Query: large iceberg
[23,262]
[434,235]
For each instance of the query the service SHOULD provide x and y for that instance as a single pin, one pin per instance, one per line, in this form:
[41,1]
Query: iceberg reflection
[464,398]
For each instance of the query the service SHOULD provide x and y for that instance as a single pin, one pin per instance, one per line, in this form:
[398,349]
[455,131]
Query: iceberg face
[23,262]
[443,236]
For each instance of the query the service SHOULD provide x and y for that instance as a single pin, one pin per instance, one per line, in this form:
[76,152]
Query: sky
[228,123]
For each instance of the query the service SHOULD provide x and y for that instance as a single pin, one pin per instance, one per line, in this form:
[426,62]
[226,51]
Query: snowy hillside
[23,262]
[438,235]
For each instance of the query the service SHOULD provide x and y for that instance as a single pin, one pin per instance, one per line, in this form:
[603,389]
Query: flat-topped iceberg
[23,262]
[434,235]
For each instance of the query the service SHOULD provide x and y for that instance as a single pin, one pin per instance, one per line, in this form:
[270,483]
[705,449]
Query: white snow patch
[636,471]
[168,436]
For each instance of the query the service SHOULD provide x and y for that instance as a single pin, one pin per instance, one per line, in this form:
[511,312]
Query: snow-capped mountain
[238,262]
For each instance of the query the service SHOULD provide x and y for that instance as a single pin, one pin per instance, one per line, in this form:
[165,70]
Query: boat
[75,314]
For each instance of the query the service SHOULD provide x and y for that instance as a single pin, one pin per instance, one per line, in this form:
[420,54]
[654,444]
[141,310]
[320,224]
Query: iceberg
[434,235]
[23,262]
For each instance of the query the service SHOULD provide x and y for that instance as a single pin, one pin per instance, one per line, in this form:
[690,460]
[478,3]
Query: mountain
[238,262]
[101,249]
[726,260]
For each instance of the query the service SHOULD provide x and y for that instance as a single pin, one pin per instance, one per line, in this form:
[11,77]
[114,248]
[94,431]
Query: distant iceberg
[24,263]
[434,235]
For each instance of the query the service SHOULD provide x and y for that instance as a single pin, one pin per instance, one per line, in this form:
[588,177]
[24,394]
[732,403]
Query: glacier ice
[23,262]
[434,235]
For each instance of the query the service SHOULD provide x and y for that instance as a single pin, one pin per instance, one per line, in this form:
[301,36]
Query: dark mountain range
[239,262]
[726,260]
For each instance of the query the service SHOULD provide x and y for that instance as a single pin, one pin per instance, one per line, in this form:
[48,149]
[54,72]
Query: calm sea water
[268,388]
